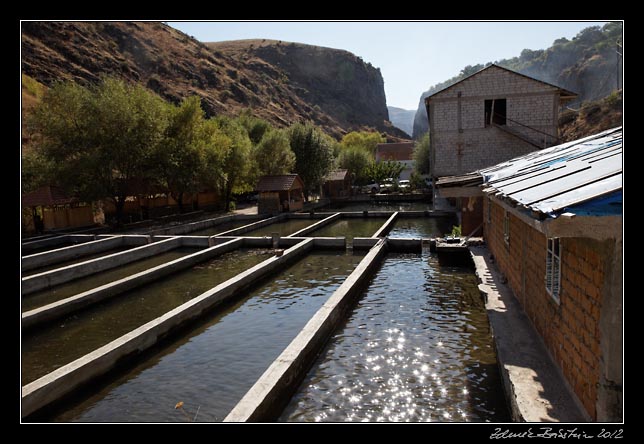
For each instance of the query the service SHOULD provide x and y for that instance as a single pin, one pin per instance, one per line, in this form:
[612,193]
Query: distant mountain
[402,118]
[590,64]
[282,82]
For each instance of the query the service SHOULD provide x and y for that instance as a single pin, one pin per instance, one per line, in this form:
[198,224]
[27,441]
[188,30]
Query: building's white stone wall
[476,146]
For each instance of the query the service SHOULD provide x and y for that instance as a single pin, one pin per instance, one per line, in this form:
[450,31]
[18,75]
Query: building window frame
[553,268]
[506,228]
[495,112]
[489,211]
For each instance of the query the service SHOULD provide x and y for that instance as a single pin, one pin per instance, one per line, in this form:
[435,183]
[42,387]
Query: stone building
[553,223]
[491,116]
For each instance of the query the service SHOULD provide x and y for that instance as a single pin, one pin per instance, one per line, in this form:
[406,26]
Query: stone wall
[461,141]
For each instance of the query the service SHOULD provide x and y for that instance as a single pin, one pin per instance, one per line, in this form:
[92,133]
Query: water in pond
[350,227]
[417,347]
[76,260]
[425,227]
[61,342]
[211,367]
[379,206]
[62,291]
[211,231]
[284,228]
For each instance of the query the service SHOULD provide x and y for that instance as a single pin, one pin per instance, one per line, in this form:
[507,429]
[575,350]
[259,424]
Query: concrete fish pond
[327,316]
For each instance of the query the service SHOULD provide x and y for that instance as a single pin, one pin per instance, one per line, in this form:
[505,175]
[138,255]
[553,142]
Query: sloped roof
[395,151]
[466,180]
[47,196]
[338,175]
[279,183]
[562,92]
[554,179]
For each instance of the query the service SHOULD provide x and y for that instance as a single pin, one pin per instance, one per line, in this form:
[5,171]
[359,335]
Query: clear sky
[412,56]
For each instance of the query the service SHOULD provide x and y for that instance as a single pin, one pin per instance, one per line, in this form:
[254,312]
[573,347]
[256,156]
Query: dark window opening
[496,110]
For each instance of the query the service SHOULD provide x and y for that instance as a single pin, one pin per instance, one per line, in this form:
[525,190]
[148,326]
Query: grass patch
[32,86]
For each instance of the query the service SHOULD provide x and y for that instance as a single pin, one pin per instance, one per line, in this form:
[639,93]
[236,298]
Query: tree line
[112,140]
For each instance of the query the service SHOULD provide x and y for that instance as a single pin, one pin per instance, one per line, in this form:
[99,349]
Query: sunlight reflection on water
[416,348]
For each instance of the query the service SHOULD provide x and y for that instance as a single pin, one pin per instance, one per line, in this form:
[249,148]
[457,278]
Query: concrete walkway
[251,209]
[533,384]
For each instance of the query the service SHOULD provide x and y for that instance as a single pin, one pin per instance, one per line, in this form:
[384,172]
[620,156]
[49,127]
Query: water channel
[226,226]
[284,228]
[76,260]
[424,227]
[61,342]
[350,227]
[62,291]
[210,367]
[417,347]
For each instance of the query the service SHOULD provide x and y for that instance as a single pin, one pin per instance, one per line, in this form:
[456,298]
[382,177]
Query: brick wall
[471,215]
[570,329]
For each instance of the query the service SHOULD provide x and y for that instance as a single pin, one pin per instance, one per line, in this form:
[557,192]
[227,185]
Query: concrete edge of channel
[41,281]
[64,307]
[42,259]
[534,389]
[62,381]
[273,389]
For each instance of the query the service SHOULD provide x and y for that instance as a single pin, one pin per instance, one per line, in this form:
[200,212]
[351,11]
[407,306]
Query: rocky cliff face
[402,118]
[282,82]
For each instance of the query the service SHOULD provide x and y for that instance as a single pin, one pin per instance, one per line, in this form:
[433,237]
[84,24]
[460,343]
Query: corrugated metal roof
[278,183]
[558,177]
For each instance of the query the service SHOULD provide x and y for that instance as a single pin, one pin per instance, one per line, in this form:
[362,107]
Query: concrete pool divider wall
[268,396]
[203,224]
[384,228]
[65,253]
[254,225]
[61,275]
[316,225]
[68,378]
[63,307]
[26,247]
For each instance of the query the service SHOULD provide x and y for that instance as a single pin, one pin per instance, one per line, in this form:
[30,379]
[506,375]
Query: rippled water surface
[379,206]
[47,348]
[62,291]
[417,347]
[284,228]
[76,260]
[350,227]
[425,227]
[211,231]
[212,366]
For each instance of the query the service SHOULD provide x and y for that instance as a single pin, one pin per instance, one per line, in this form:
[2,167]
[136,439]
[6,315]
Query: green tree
[273,154]
[356,160]
[379,171]
[313,155]
[100,138]
[235,159]
[180,155]
[255,126]
[421,155]
[367,140]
